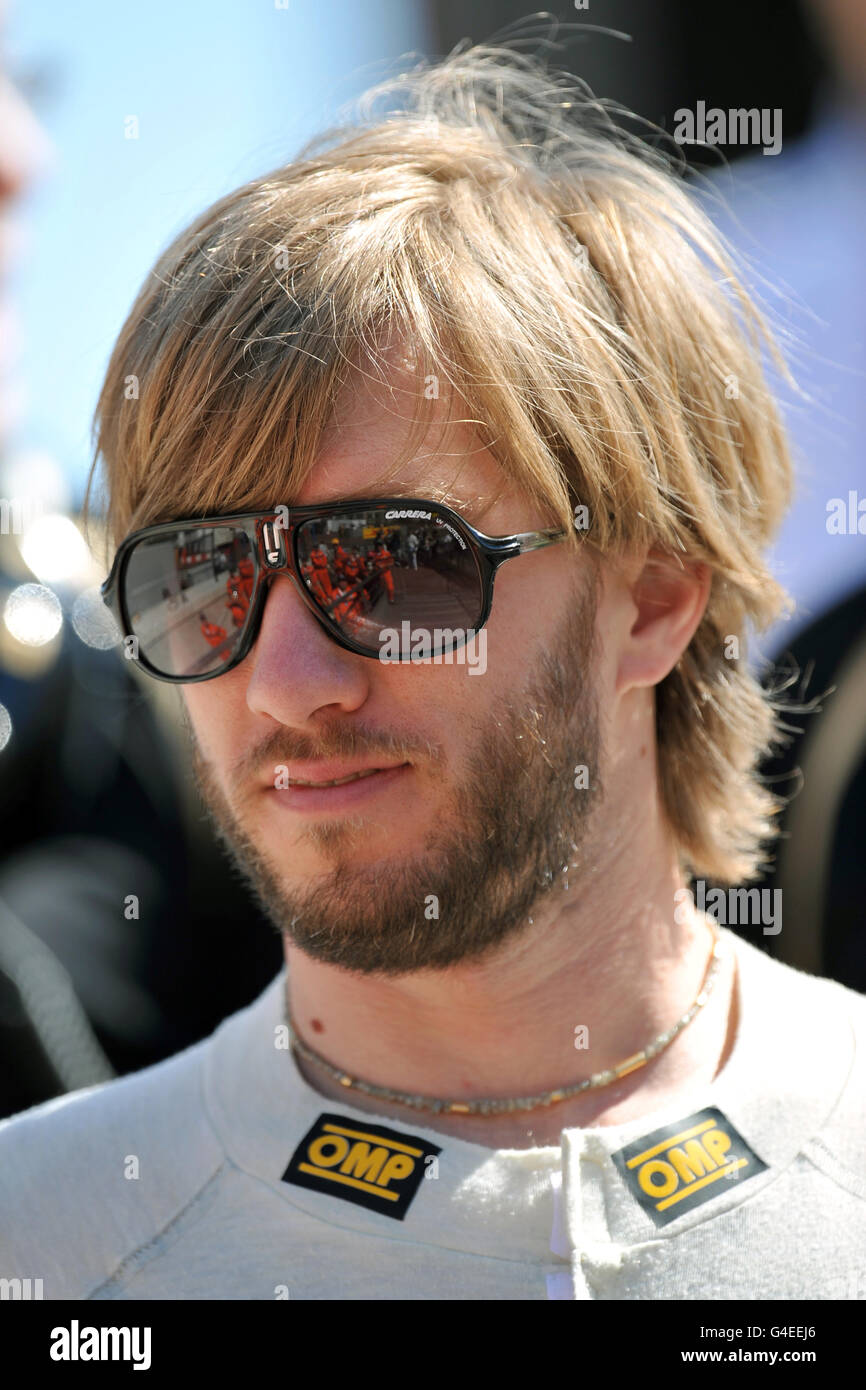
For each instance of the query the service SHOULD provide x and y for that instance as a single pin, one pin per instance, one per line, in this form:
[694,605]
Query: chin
[324,848]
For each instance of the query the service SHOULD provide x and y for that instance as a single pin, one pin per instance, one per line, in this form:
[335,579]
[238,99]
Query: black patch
[366,1164]
[678,1167]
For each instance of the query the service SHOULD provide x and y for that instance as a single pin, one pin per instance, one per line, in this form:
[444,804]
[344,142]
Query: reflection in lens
[187,594]
[376,571]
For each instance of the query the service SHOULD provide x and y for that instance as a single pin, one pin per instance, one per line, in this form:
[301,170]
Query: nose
[295,668]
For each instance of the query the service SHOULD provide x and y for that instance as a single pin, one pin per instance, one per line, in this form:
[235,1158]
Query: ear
[669,597]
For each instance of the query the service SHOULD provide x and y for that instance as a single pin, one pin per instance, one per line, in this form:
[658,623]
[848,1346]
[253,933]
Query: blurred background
[123,934]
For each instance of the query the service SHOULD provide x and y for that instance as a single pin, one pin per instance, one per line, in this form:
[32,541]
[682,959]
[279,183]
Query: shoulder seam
[818,1153]
[135,1254]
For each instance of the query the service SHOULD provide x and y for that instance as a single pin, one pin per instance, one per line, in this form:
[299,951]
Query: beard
[518,827]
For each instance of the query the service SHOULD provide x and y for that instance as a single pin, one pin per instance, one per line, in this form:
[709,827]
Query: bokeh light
[93,622]
[33,614]
[54,549]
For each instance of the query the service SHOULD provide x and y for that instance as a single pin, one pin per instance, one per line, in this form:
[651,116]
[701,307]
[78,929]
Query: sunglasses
[192,592]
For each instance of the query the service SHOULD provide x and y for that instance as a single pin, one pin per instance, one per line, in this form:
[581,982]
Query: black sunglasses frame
[274,551]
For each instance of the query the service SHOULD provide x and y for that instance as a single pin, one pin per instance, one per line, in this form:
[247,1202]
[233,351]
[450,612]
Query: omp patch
[682,1165]
[366,1164]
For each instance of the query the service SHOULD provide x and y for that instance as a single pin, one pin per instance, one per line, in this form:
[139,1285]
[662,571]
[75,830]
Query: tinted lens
[384,571]
[187,594]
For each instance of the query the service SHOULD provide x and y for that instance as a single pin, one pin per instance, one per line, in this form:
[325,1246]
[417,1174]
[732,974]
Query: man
[237,599]
[523,1063]
[354,573]
[340,557]
[352,569]
[213,634]
[383,561]
[322,583]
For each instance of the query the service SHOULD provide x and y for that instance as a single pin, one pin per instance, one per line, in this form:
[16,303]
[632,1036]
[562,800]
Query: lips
[334,775]
[335,781]
[326,789]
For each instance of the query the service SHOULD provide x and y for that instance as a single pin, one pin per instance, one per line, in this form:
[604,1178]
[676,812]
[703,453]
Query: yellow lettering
[691,1161]
[316,1151]
[717,1143]
[646,1173]
[364,1162]
[398,1166]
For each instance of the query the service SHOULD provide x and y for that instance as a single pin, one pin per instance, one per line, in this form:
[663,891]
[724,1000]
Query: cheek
[528,607]
[215,716]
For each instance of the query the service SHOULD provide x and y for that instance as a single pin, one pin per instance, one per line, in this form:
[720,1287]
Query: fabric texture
[169,1184]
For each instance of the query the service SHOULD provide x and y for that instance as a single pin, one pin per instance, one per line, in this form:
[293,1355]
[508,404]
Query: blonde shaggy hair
[555,272]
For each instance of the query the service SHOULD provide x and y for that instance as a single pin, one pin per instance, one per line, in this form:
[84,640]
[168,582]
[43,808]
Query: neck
[609,956]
